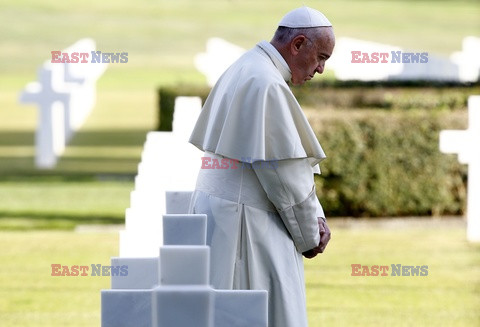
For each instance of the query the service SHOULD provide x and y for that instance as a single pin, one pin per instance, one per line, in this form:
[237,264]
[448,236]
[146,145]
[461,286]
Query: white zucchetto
[304,17]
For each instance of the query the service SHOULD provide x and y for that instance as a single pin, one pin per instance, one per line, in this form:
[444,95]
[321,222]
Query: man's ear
[297,44]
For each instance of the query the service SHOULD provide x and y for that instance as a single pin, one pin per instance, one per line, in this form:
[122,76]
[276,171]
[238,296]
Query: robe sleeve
[290,186]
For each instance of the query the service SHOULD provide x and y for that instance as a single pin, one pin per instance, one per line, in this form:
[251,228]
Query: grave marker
[219,56]
[52,97]
[172,289]
[467,145]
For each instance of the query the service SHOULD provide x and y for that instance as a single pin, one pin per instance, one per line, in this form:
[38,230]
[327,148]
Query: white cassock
[263,214]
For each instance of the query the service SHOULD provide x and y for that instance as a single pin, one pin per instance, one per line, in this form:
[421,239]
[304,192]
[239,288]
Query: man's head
[306,40]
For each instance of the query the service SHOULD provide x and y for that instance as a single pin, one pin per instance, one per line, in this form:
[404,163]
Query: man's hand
[325,236]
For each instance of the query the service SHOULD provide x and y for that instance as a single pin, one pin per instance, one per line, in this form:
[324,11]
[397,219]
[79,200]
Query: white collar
[277,59]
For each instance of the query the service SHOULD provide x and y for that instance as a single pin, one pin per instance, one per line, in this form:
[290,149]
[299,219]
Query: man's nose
[320,68]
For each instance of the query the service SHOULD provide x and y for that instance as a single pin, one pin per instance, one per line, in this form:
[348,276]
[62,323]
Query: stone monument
[467,145]
[172,289]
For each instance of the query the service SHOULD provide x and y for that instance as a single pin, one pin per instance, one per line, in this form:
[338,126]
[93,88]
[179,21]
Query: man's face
[311,55]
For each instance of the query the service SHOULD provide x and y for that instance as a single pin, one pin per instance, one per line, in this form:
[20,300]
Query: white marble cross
[81,80]
[353,59]
[467,145]
[219,56]
[52,98]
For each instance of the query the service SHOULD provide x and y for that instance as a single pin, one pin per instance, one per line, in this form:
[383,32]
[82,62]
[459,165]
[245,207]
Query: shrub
[389,164]
[385,95]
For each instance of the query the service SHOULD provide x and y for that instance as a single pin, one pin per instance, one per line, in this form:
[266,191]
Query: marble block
[178,202]
[185,115]
[184,265]
[142,273]
[126,308]
[170,161]
[238,308]
[147,199]
[139,244]
[185,229]
[183,306]
[141,219]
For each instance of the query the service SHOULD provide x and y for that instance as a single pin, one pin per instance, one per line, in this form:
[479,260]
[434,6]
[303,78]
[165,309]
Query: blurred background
[392,196]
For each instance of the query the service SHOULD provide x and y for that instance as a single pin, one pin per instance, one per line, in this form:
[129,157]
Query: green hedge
[386,95]
[383,155]
[166,102]
[349,95]
[388,164]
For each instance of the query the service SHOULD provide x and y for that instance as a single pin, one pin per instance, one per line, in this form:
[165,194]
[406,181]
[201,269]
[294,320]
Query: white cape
[278,128]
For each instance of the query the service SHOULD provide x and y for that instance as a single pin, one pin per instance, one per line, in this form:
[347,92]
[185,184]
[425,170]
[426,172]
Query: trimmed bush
[384,96]
[166,102]
[388,164]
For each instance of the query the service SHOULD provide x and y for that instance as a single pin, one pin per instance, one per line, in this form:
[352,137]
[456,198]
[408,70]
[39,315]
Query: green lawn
[448,296]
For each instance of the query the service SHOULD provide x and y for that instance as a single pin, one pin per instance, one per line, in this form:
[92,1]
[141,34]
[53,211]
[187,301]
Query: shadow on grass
[12,168]
[23,221]
[96,152]
[24,138]
[116,137]
[120,137]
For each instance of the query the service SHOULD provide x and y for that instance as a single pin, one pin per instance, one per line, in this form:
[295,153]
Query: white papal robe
[262,214]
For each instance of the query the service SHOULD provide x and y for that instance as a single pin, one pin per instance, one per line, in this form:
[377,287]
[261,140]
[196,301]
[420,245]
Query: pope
[262,218]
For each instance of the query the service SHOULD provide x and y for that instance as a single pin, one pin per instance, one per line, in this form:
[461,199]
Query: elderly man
[263,212]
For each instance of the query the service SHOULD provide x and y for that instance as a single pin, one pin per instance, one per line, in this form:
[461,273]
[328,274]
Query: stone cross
[52,98]
[468,60]
[81,80]
[219,56]
[467,145]
[354,59]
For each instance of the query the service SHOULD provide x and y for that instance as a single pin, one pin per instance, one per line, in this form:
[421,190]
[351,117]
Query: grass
[32,297]
[48,204]
[448,296]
